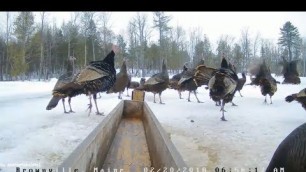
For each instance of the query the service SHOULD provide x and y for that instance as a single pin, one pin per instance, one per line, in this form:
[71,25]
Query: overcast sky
[213,24]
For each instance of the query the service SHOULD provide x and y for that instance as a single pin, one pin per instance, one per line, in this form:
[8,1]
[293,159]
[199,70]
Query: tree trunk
[85,52]
[304,64]
[161,45]
[23,60]
[69,49]
[104,40]
[143,73]
[41,48]
[93,49]
[6,61]
[48,62]
[1,66]
[290,53]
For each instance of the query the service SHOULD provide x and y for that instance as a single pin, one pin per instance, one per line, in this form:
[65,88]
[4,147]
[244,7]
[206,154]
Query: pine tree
[24,28]
[161,21]
[290,39]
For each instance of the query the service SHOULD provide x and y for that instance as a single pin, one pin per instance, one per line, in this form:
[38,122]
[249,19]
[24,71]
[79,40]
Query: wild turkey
[232,67]
[157,83]
[121,81]
[141,83]
[134,84]
[187,81]
[291,152]
[299,97]
[268,85]
[241,82]
[62,81]
[202,76]
[253,70]
[290,72]
[98,76]
[173,82]
[222,86]
[131,84]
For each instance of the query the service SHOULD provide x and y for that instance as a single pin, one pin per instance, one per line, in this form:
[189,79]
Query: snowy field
[31,135]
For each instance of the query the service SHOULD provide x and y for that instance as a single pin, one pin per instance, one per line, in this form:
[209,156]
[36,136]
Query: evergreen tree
[122,54]
[161,21]
[238,57]
[24,28]
[199,52]
[290,39]
[207,51]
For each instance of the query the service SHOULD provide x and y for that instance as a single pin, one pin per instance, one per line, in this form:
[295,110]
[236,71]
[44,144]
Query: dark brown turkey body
[122,81]
[291,152]
[157,83]
[59,93]
[222,86]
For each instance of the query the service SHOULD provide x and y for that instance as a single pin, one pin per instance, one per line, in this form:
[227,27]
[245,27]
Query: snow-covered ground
[31,135]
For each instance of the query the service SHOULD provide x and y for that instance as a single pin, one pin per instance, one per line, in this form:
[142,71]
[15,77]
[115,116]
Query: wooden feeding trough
[130,138]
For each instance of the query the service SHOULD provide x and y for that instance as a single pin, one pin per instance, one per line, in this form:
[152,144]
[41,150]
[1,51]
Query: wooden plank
[140,142]
[133,109]
[163,153]
[129,150]
[138,95]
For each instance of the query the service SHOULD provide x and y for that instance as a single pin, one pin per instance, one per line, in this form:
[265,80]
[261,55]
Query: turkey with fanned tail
[187,81]
[203,74]
[222,86]
[263,78]
[290,72]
